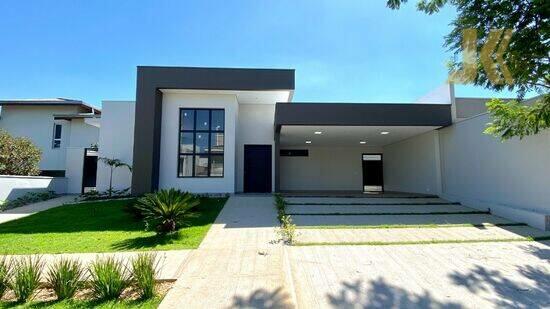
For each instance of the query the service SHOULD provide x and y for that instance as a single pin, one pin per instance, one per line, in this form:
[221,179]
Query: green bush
[18,155]
[144,270]
[280,204]
[108,278]
[5,273]
[166,209]
[29,198]
[287,230]
[26,277]
[65,278]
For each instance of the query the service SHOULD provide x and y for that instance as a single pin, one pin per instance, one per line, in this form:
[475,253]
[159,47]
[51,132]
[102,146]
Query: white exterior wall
[83,134]
[326,168]
[74,167]
[512,178]
[254,127]
[12,187]
[412,165]
[36,123]
[116,140]
[168,170]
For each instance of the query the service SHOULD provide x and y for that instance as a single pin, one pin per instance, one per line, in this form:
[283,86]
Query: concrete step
[364,201]
[391,208]
[313,220]
[421,235]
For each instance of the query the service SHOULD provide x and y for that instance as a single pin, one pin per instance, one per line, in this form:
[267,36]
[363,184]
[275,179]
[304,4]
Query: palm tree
[113,164]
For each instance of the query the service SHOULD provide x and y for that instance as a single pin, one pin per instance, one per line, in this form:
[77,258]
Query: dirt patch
[48,295]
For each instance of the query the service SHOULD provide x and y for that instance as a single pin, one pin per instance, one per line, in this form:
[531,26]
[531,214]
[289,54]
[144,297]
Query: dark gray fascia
[150,80]
[362,114]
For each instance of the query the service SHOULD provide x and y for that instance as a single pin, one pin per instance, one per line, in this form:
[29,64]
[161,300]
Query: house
[63,129]
[225,130]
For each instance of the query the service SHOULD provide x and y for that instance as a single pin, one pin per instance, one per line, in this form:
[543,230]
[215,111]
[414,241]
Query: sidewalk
[27,210]
[238,264]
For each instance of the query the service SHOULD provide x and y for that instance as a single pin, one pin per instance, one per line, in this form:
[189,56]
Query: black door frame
[84,167]
[270,170]
[363,171]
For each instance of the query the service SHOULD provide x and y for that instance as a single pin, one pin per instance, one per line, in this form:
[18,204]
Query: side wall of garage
[512,177]
[324,169]
[412,165]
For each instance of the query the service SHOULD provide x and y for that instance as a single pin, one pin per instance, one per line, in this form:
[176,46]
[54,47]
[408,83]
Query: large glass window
[201,142]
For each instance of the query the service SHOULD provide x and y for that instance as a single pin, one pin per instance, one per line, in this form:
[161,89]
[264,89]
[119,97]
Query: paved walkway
[27,210]
[484,275]
[169,262]
[238,264]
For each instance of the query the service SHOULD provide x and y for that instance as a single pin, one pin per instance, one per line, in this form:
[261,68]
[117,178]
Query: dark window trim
[194,154]
[54,139]
[294,153]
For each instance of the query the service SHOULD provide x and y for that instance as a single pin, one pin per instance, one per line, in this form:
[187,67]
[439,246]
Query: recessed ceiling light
[362,142]
[318,132]
[384,132]
[308,142]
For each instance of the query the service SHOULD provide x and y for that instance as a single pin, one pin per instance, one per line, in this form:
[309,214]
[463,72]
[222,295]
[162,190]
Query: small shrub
[18,155]
[64,277]
[108,278]
[166,209]
[287,231]
[29,198]
[144,270]
[26,277]
[5,273]
[280,204]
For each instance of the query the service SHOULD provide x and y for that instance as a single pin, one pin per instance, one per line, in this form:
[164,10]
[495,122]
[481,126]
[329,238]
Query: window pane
[186,166]
[56,143]
[187,119]
[201,142]
[203,120]
[57,133]
[216,142]
[186,142]
[218,121]
[201,166]
[216,166]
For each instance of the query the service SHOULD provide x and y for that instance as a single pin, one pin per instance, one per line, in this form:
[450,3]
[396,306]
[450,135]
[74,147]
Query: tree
[113,164]
[527,56]
[18,156]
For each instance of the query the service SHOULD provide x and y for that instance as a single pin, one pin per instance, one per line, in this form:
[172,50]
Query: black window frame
[54,138]
[194,153]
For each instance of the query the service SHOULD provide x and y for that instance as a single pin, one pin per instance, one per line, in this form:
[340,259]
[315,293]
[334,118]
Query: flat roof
[362,114]
[49,102]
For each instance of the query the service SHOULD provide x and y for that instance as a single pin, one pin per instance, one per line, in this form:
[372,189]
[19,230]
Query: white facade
[169,143]
[37,123]
[116,141]
[12,187]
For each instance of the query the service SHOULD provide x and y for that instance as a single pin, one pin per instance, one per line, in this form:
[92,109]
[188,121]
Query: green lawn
[100,227]
[149,304]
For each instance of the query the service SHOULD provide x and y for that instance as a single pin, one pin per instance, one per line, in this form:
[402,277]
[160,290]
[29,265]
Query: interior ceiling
[348,135]
[244,97]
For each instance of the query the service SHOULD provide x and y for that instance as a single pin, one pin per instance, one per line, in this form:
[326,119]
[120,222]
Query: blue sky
[343,51]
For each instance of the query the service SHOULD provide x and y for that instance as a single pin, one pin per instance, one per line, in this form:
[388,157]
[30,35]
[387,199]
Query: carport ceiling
[348,135]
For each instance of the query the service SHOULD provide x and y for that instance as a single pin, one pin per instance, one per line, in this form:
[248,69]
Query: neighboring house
[62,129]
[216,130]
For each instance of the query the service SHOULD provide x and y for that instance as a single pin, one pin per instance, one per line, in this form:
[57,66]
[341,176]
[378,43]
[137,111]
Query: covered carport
[348,147]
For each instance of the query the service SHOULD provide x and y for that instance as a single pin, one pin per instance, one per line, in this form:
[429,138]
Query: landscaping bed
[104,226]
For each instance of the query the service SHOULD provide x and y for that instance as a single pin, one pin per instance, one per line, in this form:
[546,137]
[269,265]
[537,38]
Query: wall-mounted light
[318,132]
[384,132]
[308,142]
[362,142]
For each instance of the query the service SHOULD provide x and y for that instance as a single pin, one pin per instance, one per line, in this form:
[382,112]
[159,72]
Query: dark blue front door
[257,168]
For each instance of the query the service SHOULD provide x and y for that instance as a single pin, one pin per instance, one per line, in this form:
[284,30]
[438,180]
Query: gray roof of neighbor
[54,101]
